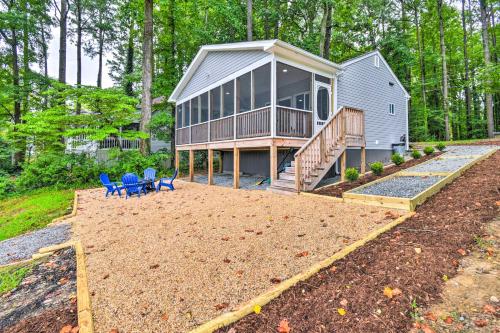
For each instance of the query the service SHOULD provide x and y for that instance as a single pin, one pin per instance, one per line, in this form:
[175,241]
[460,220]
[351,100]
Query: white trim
[292,108]
[228,78]
[377,52]
[407,130]
[335,84]
[274,95]
[304,67]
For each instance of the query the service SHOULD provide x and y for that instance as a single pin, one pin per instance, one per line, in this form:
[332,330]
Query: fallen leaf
[302,254]
[487,308]
[275,280]
[341,311]
[114,330]
[164,316]
[480,322]
[283,326]
[258,233]
[490,251]
[427,329]
[105,277]
[75,329]
[445,278]
[430,316]
[333,269]
[227,261]
[63,280]
[221,306]
[225,238]
[448,320]
[154,266]
[343,302]
[418,250]
[239,272]
[396,292]
[257,309]
[388,292]
[462,252]
[66,329]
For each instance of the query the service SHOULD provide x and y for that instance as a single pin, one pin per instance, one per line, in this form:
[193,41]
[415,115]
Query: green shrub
[416,154]
[351,174]
[121,162]
[7,185]
[377,168]
[440,146]
[397,159]
[428,150]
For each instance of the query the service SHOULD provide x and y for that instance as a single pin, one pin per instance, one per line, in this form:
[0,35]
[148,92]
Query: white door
[322,104]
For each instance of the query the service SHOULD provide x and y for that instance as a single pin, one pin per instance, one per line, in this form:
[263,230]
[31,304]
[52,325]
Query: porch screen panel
[204,107]
[186,113]
[215,103]
[228,101]
[244,93]
[262,86]
[178,119]
[293,87]
[194,111]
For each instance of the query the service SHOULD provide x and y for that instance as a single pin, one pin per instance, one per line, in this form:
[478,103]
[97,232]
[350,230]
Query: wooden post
[191,165]
[210,167]
[236,167]
[363,160]
[273,154]
[297,174]
[177,159]
[343,162]
[220,161]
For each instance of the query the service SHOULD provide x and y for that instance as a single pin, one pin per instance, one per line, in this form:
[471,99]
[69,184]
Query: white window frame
[392,110]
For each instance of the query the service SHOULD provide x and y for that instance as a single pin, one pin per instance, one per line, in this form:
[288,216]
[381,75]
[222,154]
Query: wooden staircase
[317,156]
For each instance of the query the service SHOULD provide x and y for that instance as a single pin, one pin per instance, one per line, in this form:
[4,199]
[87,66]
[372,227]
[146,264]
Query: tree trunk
[78,4]
[267,28]
[487,62]
[100,55]
[173,55]
[276,19]
[422,70]
[466,75]
[18,156]
[147,74]
[326,30]
[476,109]
[249,21]
[129,66]
[63,27]
[446,106]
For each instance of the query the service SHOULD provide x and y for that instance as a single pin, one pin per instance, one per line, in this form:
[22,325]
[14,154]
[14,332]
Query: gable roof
[369,54]
[270,46]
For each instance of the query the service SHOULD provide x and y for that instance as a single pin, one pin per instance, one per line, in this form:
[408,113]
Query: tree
[249,21]
[147,74]
[466,72]
[444,69]
[487,63]
[63,10]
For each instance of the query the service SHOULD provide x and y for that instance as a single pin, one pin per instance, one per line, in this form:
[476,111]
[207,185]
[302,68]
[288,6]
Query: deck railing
[222,129]
[199,133]
[109,143]
[253,123]
[182,136]
[293,122]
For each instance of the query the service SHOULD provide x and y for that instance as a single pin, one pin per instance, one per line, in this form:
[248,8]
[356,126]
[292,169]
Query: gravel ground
[170,261]
[22,247]
[468,150]
[402,187]
[226,180]
[441,165]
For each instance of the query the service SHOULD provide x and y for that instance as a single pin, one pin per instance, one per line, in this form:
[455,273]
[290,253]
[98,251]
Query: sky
[89,66]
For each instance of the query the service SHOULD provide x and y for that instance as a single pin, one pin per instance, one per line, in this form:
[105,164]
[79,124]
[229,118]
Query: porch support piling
[210,167]
[363,160]
[273,154]
[219,157]
[191,165]
[343,161]
[177,160]
[236,168]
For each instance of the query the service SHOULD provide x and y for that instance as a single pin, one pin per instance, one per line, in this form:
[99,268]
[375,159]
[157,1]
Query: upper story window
[215,103]
[391,109]
[376,61]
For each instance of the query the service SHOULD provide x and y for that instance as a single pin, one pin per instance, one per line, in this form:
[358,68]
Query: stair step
[286,176]
[290,169]
[292,163]
[283,183]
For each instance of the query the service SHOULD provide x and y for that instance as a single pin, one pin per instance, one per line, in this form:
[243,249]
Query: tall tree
[444,68]
[326,30]
[63,10]
[466,73]
[249,21]
[147,74]
[487,62]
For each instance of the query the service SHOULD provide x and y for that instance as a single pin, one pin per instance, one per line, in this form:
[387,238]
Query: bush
[397,159]
[351,174]
[428,150]
[7,185]
[121,162]
[416,154]
[440,146]
[377,168]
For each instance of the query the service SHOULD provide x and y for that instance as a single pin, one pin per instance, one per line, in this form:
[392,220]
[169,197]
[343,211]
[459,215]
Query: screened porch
[274,100]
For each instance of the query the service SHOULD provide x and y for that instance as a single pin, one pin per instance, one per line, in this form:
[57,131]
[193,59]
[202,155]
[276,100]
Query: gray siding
[218,65]
[253,162]
[364,86]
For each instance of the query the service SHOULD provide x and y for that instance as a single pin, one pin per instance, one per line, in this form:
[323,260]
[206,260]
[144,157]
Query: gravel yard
[170,261]
[441,165]
[402,187]
[468,150]
[22,247]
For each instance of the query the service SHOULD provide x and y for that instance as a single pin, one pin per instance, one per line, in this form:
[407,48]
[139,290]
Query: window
[186,113]
[178,119]
[376,61]
[204,107]
[291,83]
[215,103]
[391,109]
[195,111]
[244,93]
[262,86]
[228,99]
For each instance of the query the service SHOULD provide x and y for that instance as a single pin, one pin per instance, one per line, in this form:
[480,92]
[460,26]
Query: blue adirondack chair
[150,176]
[132,185]
[168,182]
[111,187]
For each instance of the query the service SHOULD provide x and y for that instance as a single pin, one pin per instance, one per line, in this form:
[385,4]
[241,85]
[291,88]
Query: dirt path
[409,263]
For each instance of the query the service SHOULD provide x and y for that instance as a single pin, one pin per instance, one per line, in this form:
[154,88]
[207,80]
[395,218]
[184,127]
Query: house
[273,109]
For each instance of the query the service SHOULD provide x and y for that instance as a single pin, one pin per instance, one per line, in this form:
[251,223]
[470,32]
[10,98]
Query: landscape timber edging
[85,320]
[67,216]
[410,204]
[261,300]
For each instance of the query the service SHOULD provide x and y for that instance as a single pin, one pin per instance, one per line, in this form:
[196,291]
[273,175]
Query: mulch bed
[442,229]
[45,301]
[337,190]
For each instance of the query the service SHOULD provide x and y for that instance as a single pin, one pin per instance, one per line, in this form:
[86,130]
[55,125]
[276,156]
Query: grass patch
[451,143]
[33,211]
[11,277]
